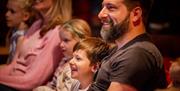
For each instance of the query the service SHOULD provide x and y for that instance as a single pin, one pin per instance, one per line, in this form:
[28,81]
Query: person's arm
[64,81]
[6,68]
[116,86]
[41,68]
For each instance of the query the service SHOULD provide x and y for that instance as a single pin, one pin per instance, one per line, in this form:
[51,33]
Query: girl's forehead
[65,32]
[18,3]
[71,32]
[14,4]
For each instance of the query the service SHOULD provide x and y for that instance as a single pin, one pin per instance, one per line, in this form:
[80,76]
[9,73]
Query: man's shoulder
[144,46]
[137,51]
[148,47]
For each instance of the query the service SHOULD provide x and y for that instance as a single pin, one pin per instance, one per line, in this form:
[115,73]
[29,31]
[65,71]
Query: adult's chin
[104,34]
[107,35]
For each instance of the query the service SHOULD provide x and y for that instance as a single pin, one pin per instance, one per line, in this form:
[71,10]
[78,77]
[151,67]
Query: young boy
[87,56]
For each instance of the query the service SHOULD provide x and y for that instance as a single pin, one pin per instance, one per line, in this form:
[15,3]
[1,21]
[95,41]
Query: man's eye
[110,7]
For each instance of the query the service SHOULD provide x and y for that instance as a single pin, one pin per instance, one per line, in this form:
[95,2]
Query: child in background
[20,17]
[174,75]
[87,56]
[70,33]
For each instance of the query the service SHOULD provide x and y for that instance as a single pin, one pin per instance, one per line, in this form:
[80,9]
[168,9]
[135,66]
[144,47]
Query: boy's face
[80,65]
[14,15]
[68,42]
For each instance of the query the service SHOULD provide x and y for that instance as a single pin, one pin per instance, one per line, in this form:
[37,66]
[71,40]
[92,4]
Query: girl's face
[43,5]
[80,65]
[14,14]
[68,42]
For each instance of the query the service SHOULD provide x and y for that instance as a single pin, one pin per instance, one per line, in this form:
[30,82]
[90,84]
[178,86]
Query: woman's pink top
[35,60]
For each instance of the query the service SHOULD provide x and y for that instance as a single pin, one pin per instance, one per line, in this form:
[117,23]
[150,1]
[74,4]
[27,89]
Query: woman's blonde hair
[78,28]
[60,12]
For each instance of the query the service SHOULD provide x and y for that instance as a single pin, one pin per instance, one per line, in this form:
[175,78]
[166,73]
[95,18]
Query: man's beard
[115,31]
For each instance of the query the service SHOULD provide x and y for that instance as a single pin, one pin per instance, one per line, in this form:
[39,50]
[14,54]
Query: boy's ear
[95,67]
[26,16]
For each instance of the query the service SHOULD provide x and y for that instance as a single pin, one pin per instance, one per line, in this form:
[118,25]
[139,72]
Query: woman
[39,52]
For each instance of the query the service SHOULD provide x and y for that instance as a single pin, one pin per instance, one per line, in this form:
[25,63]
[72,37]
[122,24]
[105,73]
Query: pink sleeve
[42,68]
[34,27]
[6,68]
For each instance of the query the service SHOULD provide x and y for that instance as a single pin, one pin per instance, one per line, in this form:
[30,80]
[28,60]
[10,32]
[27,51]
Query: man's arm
[115,86]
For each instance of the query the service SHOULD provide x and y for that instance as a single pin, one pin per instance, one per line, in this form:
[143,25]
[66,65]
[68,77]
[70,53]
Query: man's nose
[103,13]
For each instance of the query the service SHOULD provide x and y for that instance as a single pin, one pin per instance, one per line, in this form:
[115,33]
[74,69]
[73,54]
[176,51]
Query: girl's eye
[66,40]
[12,11]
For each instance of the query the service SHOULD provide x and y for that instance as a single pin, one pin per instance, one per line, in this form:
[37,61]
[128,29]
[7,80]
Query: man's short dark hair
[145,5]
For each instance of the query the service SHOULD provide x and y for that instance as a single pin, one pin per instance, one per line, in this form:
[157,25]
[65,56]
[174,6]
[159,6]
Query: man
[136,64]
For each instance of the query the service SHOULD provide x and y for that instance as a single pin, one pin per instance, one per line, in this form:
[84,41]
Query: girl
[70,33]
[38,55]
[19,16]
[87,55]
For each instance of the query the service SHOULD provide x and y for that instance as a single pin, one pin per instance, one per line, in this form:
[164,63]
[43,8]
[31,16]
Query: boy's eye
[78,58]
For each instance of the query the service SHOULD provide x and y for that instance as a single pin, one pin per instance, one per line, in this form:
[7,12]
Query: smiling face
[68,42]
[80,65]
[14,15]
[115,9]
[114,16]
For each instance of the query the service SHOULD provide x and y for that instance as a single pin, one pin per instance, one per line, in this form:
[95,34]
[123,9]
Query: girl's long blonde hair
[78,27]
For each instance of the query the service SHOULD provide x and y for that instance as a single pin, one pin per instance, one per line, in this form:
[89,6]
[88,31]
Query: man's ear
[95,67]
[136,15]
[26,16]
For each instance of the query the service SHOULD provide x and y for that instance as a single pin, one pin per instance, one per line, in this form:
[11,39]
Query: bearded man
[135,64]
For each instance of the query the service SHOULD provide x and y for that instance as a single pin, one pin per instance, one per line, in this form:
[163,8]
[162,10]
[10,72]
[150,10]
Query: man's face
[115,19]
